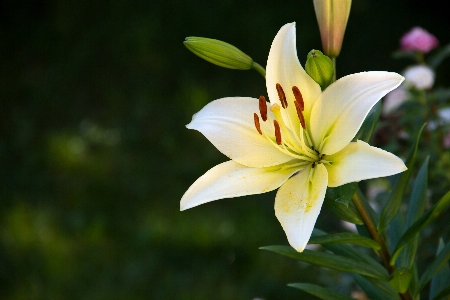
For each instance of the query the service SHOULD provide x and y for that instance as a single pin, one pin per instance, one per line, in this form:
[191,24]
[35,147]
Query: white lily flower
[301,144]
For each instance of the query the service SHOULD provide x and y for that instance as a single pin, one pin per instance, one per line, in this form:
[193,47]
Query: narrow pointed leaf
[349,214]
[396,230]
[350,252]
[440,261]
[343,194]
[442,278]
[328,260]
[415,211]
[368,127]
[318,291]
[345,237]
[395,200]
[376,289]
[362,230]
[442,294]
[420,224]
[414,278]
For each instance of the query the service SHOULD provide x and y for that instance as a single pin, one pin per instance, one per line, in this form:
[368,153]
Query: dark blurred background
[95,156]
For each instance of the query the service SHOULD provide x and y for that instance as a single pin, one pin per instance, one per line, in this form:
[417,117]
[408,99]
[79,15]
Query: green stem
[426,108]
[259,69]
[333,59]
[370,225]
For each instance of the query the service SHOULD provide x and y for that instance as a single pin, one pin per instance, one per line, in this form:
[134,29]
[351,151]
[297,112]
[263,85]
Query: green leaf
[344,193]
[420,224]
[376,289]
[442,278]
[401,280]
[328,260]
[368,127]
[349,214]
[415,210]
[396,229]
[442,294]
[318,291]
[349,251]
[440,261]
[415,277]
[345,237]
[396,196]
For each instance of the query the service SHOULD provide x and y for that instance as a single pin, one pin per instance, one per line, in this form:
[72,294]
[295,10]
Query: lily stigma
[299,142]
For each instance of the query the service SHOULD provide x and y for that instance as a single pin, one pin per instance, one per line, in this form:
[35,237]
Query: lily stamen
[275,108]
[281,95]
[277,132]
[263,108]
[298,97]
[257,125]
[299,108]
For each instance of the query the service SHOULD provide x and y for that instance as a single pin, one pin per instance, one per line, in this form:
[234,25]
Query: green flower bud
[320,68]
[219,53]
[400,280]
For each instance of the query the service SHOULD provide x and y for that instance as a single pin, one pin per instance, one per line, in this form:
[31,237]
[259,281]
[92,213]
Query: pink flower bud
[418,39]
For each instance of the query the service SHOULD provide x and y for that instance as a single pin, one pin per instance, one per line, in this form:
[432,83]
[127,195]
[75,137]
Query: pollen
[298,97]
[258,127]
[281,95]
[263,108]
[277,132]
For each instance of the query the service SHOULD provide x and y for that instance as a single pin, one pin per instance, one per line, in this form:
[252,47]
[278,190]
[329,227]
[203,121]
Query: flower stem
[370,225]
[333,59]
[259,69]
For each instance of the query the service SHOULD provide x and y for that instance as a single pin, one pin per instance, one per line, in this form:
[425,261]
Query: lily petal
[230,179]
[283,67]
[298,203]
[228,123]
[340,111]
[360,161]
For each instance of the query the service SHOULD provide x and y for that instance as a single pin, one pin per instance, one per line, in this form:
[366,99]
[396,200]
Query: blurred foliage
[94,155]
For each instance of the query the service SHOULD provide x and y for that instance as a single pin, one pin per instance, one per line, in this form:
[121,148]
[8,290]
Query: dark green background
[94,155]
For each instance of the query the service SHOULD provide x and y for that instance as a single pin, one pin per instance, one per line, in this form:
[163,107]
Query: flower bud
[418,39]
[332,16]
[400,280]
[219,53]
[319,67]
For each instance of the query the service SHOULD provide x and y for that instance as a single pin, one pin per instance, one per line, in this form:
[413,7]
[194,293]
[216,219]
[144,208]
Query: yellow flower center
[295,143]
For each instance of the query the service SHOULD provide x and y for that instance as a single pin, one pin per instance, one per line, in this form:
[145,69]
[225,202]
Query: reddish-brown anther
[298,96]
[277,131]
[299,107]
[263,108]
[282,96]
[258,127]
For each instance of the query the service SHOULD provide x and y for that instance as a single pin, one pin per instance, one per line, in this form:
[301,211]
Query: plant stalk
[370,225]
